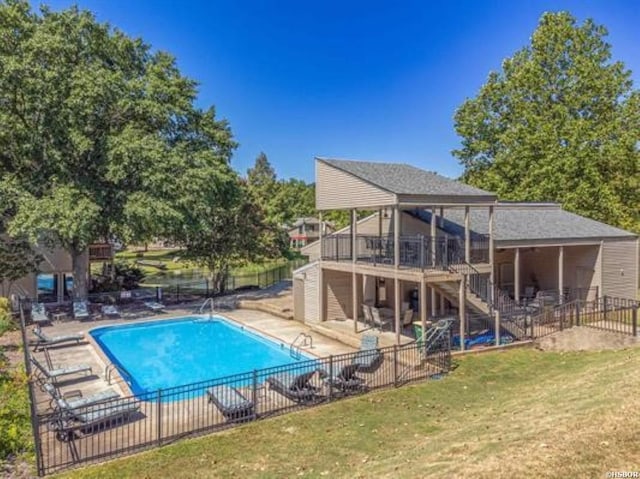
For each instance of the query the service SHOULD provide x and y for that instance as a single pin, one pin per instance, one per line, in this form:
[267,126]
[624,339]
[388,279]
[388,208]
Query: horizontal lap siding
[339,298]
[620,268]
[336,189]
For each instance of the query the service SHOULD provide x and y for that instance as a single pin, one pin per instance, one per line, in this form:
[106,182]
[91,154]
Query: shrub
[6,322]
[15,438]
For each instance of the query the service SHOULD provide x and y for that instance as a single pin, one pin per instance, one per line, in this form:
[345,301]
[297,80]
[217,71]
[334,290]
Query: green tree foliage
[230,232]
[559,122]
[99,136]
[17,259]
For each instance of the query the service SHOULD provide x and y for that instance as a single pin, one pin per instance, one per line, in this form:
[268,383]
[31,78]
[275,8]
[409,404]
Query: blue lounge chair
[369,358]
[81,310]
[53,374]
[43,340]
[39,314]
[296,387]
[232,403]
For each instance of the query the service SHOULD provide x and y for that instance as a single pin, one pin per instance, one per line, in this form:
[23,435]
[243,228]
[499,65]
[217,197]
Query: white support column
[321,233]
[441,217]
[434,306]
[379,223]
[442,305]
[397,311]
[396,237]
[434,220]
[516,276]
[467,235]
[321,294]
[423,305]
[462,299]
[354,276]
[491,252]
[561,274]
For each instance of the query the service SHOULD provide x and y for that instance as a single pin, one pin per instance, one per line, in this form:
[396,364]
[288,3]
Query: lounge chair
[44,340]
[53,374]
[368,317]
[369,358]
[39,314]
[87,419]
[346,379]
[110,310]
[298,387]
[81,310]
[232,403]
[76,399]
[154,306]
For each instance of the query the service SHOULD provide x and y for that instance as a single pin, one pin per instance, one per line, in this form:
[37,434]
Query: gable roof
[403,179]
[521,222]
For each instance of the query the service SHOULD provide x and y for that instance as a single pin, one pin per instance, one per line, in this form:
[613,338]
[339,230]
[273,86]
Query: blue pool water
[181,351]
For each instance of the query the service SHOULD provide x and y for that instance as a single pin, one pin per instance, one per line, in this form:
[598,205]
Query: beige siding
[311,295]
[620,268]
[339,298]
[336,190]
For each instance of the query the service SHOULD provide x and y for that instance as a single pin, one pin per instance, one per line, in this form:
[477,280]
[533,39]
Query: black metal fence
[617,315]
[68,435]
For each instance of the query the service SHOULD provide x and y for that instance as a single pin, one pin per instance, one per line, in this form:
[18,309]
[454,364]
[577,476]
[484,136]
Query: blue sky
[362,79]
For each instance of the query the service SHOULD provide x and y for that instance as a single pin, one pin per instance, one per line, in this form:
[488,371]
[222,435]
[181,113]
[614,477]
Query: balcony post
[434,306]
[561,275]
[491,254]
[354,276]
[516,276]
[434,219]
[398,297]
[462,310]
[467,236]
[423,306]
[321,235]
[396,237]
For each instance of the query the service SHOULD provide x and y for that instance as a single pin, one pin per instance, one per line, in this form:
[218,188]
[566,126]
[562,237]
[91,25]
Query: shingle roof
[520,222]
[405,179]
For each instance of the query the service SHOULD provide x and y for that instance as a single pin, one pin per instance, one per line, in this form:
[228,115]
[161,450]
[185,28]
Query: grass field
[521,413]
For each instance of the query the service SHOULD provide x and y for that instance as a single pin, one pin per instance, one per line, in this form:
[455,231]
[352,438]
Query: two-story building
[305,231]
[437,246]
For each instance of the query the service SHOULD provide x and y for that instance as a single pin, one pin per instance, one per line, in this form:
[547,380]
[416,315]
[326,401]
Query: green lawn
[521,413]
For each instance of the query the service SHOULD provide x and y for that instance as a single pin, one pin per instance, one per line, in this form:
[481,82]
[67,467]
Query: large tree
[559,122]
[99,136]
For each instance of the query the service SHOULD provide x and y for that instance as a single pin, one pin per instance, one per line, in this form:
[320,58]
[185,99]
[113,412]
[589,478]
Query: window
[47,288]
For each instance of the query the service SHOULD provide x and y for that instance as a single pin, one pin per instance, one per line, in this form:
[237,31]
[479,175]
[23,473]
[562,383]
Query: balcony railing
[418,252]
[100,252]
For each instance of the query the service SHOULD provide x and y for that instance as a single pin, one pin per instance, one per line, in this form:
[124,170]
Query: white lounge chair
[76,399]
[44,340]
[39,314]
[81,310]
[52,375]
[154,305]
[110,310]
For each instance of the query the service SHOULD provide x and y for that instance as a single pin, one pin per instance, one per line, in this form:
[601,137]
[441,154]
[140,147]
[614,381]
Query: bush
[126,276]
[15,438]
[6,322]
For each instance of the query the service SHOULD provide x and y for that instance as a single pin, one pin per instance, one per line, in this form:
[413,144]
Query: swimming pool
[180,351]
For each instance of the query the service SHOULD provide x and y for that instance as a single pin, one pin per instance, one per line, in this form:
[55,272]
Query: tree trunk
[80,263]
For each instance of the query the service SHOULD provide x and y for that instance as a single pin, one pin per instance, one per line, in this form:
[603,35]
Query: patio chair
[407,317]
[81,310]
[379,321]
[296,387]
[75,399]
[154,306]
[53,374]
[43,340]
[368,317]
[232,403]
[68,421]
[369,358]
[110,310]
[346,380]
[39,314]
